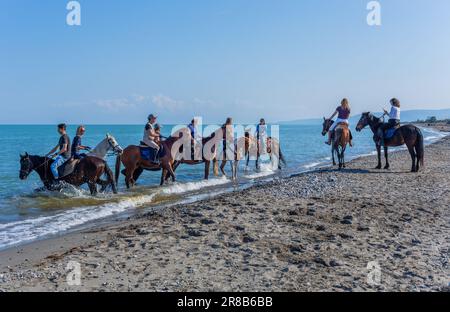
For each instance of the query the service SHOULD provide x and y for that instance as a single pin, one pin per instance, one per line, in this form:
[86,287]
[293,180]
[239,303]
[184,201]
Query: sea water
[27,215]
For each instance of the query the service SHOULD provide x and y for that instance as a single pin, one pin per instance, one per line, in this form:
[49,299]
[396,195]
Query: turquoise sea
[26,215]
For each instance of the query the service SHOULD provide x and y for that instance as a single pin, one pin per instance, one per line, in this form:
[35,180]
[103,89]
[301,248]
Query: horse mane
[39,159]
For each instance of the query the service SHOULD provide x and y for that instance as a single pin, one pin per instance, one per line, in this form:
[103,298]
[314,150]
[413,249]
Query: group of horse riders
[78,168]
[343,114]
[65,151]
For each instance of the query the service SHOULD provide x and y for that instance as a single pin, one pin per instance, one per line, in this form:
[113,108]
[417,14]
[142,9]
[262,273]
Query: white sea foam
[180,188]
[266,169]
[311,165]
[27,230]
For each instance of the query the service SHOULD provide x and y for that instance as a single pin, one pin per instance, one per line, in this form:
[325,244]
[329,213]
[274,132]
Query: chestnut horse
[408,134]
[135,164]
[340,140]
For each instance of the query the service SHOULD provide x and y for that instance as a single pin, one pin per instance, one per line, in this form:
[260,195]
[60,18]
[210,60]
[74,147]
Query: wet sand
[320,231]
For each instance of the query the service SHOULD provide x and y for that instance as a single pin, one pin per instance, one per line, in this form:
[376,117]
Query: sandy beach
[320,231]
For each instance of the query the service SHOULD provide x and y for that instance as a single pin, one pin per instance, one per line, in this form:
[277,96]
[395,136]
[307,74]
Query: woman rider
[76,144]
[343,112]
[394,119]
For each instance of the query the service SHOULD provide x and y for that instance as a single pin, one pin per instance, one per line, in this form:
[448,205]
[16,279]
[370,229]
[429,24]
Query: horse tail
[118,163]
[419,147]
[110,176]
[282,159]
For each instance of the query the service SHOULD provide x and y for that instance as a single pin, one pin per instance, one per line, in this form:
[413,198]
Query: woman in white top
[394,118]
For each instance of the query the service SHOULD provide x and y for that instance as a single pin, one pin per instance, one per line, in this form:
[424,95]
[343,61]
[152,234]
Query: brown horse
[89,170]
[340,140]
[408,134]
[247,147]
[208,154]
[135,164]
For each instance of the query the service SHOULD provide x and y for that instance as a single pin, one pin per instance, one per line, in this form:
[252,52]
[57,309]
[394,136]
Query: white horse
[108,144]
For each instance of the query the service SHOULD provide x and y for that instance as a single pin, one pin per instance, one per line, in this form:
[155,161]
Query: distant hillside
[408,116]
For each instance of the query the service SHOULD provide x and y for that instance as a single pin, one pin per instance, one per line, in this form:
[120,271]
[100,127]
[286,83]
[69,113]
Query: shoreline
[27,267]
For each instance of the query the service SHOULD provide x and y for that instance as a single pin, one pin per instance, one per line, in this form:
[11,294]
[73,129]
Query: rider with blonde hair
[343,112]
[76,144]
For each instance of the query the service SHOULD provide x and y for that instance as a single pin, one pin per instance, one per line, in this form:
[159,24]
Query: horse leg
[92,188]
[129,177]
[379,156]
[234,165]
[175,166]
[207,165]
[343,157]
[137,173]
[339,153]
[163,176]
[103,184]
[172,173]
[386,157]
[332,156]
[222,166]
[413,158]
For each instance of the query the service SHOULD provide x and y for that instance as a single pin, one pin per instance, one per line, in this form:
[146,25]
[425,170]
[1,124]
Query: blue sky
[283,60]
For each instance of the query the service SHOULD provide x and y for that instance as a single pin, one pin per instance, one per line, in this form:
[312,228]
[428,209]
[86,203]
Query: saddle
[342,125]
[150,153]
[68,167]
[389,133]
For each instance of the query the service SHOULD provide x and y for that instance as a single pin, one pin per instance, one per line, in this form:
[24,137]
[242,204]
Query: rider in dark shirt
[63,149]
[76,144]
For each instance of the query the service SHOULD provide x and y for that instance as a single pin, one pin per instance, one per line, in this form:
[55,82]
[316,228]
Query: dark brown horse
[135,164]
[408,134]
[89,170]
[340,141]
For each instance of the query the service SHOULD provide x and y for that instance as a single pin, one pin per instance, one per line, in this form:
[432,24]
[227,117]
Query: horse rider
[158,128]
[61,152]
[194,136]
[343,113]
[261,135]
[227,135]
[393,122]
[150,136]
[76,144]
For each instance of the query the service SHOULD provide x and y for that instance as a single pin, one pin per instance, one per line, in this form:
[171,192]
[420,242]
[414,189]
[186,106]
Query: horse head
[327,123]
[364,121]
[26,166]
[113,144]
